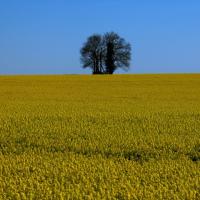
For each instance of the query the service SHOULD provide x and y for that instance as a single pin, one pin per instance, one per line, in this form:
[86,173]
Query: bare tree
[104,54]
[118,52]
[92,55]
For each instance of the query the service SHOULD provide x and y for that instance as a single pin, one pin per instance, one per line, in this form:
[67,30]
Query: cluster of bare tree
[104,54]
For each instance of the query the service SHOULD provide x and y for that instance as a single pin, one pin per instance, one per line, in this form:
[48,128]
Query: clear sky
[45,36]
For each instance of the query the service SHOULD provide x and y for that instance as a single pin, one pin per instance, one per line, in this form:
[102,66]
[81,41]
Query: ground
[100,137]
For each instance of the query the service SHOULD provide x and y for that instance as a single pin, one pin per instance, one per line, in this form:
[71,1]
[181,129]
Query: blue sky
[45,36]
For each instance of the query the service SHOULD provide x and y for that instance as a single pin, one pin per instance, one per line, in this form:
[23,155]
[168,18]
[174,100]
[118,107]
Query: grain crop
[100,137]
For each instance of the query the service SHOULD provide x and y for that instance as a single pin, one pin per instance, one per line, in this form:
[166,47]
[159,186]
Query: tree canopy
[104,54]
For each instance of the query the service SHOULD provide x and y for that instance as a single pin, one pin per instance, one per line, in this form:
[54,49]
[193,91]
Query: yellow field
[100,137]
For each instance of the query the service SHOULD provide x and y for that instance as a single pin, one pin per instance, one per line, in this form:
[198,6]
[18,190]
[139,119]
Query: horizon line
[90,74]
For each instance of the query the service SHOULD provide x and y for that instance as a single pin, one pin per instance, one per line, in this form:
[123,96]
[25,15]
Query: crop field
[100,137]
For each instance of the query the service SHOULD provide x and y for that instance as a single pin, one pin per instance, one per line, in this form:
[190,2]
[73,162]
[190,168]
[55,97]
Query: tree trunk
[110,58]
